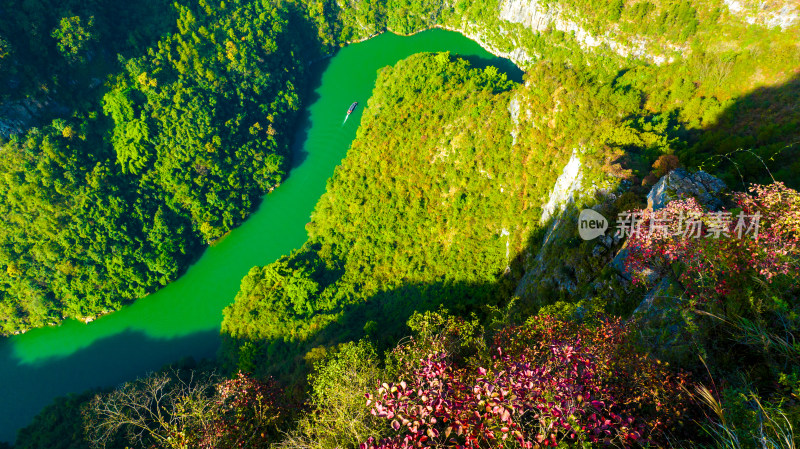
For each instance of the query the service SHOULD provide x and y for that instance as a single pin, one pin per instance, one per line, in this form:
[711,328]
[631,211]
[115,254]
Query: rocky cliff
[539,17]
[16,116]
[781,14]
[592,273]
[500,34]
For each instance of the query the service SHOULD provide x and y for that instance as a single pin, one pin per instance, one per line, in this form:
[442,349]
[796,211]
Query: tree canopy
[113,202]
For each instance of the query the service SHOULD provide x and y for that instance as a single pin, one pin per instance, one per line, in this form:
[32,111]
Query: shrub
[665,164]
[340,418]
[717,257]
[180,408]
[548,383]
[246,414]
[639,385]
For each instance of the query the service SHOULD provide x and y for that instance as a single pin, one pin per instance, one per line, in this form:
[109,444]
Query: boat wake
[350,111]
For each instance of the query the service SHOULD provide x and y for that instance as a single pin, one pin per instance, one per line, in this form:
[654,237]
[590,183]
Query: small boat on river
[352,108]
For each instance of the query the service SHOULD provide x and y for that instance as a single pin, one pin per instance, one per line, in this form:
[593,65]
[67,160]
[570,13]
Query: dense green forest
[57,51]
[113,201]
[425,230]
[690,62]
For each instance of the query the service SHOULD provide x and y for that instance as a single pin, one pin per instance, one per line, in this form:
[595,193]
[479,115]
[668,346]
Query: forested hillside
[194,117]
[629,123]
[404,221]
[722,74]
[434,205]
[113,200]
[444,297]
[56,51]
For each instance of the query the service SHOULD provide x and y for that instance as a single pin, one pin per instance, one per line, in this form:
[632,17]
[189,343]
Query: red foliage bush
[244,411]
[549,382]
[721,252]
[639,385]
[665,164]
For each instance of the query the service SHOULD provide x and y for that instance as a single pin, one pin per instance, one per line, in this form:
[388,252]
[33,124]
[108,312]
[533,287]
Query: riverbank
[183,318]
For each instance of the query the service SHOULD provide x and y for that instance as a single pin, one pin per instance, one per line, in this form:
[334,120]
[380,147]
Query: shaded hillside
[756,138]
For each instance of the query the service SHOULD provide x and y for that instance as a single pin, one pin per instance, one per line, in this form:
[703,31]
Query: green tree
[339,384]
[615,11]
[73,36]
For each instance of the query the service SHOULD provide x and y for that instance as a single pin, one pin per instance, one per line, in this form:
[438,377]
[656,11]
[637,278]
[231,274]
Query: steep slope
[434,204]
[716,70]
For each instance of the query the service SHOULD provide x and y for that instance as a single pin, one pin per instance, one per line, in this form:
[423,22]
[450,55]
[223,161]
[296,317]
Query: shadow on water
[180,320]
[106,362]
[303,126]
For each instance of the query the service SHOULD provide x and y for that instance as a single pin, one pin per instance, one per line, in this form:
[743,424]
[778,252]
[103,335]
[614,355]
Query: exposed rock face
[472,31]
[18,116]
[537,17]
[662,325]
[676,184]
[554,268]
[648,303]
[618,263]
[771,14]
[663,328]
[681,184]
[529,13]
[543,270]
[566,189]
[15,117]
[513,109]
[567,184]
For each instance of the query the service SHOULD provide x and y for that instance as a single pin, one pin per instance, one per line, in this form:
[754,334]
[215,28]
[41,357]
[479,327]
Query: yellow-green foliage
[721,84]
[431,182]
[431,195]
[421,201]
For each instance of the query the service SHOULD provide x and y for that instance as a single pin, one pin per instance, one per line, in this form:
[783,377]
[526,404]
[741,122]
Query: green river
[183,319]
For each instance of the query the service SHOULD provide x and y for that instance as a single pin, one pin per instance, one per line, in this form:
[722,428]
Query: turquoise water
[183,319]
